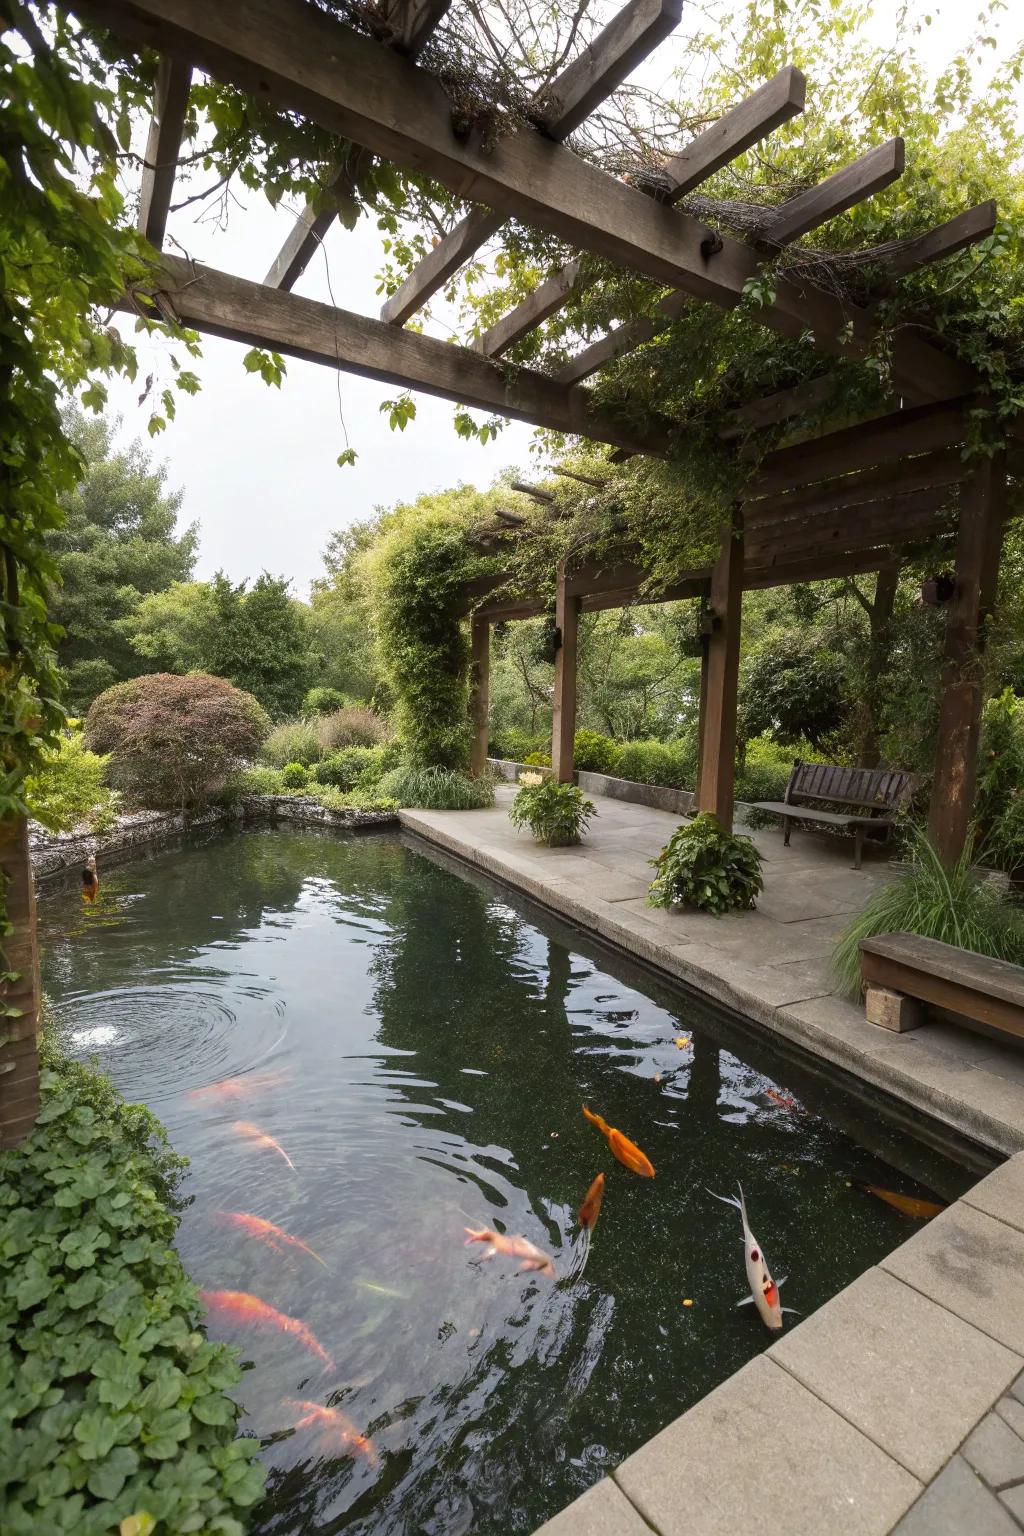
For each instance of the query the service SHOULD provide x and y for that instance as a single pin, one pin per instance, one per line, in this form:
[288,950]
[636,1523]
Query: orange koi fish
[907,1205]
[513,1248]
[783,1100]
[333,1426]
[238,1087]
[90,880]
[621,1147]
[240,1307]
[261,1138]
[590,1210]
[267,1232]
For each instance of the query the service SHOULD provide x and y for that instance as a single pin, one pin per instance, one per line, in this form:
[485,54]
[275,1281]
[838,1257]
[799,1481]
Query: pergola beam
[869,173]
[882,440]
[223,305]
[535,492]
[779,99]
[170,103]
[624,338]
[944,240]
[300,59]
[633,33]
[931,470]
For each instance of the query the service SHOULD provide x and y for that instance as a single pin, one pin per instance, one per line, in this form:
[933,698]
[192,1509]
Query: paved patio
[898,1407]
[772,965]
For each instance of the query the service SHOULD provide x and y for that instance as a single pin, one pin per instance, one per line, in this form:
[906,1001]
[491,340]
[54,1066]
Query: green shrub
[556,814]
[324,701]
[113,1402]
[293,741]
[174,741]
[350,766]
[704,866]
[538,760]
[594,753]
[999,805]
[653,762]
[68,789]
[514,746]
[436,789]
[956,906]
[294,776]
[354,726]
[257,780]
[766,768]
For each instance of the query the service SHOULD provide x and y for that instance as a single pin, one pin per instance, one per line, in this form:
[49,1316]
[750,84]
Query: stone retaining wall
[54,851]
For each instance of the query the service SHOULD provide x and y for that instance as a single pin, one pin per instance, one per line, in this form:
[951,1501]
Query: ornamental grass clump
[957,906]
[436,789]
[704,866]
[556,814]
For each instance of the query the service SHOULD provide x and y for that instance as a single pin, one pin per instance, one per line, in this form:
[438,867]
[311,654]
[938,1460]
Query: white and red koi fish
[764,1292]
[513,1248]
[253,1133]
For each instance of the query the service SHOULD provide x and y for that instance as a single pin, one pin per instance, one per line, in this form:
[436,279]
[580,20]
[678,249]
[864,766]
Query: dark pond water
[419,1048]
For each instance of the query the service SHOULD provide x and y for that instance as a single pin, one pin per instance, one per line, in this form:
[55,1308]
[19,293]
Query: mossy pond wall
[355,1042]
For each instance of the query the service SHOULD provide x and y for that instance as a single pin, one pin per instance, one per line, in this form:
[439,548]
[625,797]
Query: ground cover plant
[704,866]
[556,814]
[173,741]
[113,1405]
[960,906]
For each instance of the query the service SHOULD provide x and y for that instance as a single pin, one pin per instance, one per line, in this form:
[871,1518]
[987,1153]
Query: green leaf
[347,456]
[107,1480]
[214,1409]
[96,1433]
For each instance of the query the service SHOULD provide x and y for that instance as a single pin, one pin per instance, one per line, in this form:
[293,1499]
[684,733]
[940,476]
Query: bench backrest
[875,789]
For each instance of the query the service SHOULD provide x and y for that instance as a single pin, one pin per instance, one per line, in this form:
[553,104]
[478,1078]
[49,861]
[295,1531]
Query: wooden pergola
[846,501]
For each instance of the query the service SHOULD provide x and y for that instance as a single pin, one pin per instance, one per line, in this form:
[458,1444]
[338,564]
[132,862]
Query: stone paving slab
[996,1452]
[971,1264]
[902,1369]
[603,1510]
[762,1454]
[957,1503]
[1002,1194]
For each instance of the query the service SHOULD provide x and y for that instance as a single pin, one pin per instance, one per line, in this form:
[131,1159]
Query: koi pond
[365,1047]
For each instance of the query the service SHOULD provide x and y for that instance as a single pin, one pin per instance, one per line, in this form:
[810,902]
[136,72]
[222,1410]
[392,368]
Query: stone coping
[771,966]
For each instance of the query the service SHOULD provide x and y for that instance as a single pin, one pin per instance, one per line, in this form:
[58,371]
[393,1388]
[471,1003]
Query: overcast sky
[258,464]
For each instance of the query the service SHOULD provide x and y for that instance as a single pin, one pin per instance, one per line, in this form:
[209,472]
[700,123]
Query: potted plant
[704,866]
[556,814]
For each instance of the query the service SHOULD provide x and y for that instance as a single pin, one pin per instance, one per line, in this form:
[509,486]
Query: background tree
[340,619]
[118,543]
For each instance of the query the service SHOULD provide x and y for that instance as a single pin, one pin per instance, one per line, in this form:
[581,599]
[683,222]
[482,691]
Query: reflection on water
[367,1053]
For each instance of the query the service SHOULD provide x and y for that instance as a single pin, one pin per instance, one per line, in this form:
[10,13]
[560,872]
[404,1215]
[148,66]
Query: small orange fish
[261,1138]
[267,1232]
[783,1100]
[621,1147]
[333,1425]
[90,880]
[908,1205]
[590,1210]
[238,1087]
[240,1307]
[513,1248]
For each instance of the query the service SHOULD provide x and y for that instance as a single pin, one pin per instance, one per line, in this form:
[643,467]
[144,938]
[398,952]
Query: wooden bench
[874,796]
[898,968]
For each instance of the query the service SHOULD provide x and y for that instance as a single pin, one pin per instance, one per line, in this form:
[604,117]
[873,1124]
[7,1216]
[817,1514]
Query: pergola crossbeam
[224,305]
[859,180]
[170,103]
[533,311]
[882,440]
[779,99]
[943,468]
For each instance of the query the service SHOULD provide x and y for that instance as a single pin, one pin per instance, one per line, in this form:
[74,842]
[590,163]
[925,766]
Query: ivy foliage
[418,574]
[113,1404]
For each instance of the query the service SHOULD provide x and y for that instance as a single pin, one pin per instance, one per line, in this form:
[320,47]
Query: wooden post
[718,747]
[702,707]
[977,565]
[479,692]
[19,955]
[563,705]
